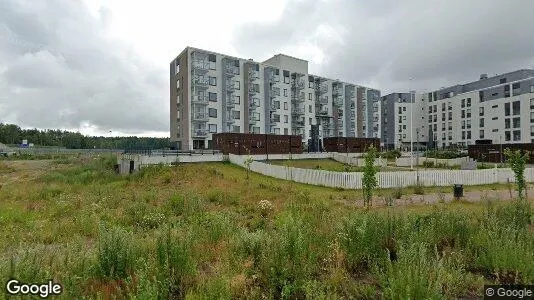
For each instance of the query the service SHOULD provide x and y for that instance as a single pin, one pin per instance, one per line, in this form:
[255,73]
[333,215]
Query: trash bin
[458,191]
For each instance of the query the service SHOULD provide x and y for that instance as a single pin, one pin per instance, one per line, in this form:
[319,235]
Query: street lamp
[411,127]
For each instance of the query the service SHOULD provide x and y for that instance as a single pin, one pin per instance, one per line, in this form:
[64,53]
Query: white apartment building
[212,93]
[498,108]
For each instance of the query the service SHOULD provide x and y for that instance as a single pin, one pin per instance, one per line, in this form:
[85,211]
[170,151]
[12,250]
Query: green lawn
[204,231]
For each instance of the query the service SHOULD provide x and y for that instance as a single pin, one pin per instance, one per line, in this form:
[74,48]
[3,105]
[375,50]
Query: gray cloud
[58,69]
[385,43]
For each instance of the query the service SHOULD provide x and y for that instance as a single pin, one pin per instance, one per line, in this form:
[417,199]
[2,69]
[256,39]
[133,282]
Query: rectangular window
[463,113]
[495,118]
[450,115]
[286,119]
[506,123]
[285,92]
[449,106]
[469,134]
[507,136]
[442,126]
[517,135]
[404,108]
[212,112]
[481,134]
[435,127]
[450,126]
[435,108]
[516,85]
[236,114]
[256,87]
[435,118]
[277,130]
[237,85]
[237,129]
[531,130]
[286,80]
[443,137]
[285,105]
[309,108]
[468,102]
[468,113]
[212,96]
[430,109]
[516,122]
[237,100]
[481,111]
[463,124]
[256,116]
[463,135]
[506,109]
[309,96]
[532,103]
[276,117]
[442,116]
[516,108]
[481,122]
[463,103]
[495,130]
[404,118]
[450,135]
[212,128]
[178,83]
[255,130]
[277,104]
[443,106]
[213,80]
[403,127]
[468,124]
[494,106]
[286,131]
[532,117]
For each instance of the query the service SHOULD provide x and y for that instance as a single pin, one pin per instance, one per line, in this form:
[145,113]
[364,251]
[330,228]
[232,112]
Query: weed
[115,254]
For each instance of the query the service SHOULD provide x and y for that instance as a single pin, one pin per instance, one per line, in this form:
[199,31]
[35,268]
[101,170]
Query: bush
[391,154]
[428,164]
[443,154]
[115,254]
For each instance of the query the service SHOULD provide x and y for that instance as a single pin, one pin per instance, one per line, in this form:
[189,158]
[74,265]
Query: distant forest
[11,134]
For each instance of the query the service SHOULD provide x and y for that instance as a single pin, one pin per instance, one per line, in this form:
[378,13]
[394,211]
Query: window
[495,130]
[469,134]
[532,88]
[516,122]
[532,130]
[506,109]
[468,124]
[237,100]
[286,131]
[517,135]
[404,118]
[468,112]
[442,126]
[443,106]
[213,80]
[277,104]
[236,114]
[502,80]
[212,96]
[286,78]
[481,134]
[212,59]
[532,103]
[212,128]
[463,135]
[507,135]
[532,117]
[430,109]
[463,124]
[178,83]
[309,96]
[463,113]
[506,123]
[443,117]
[435,118]
[285,105]
[516,85]
[468,102]
[400,128]
[255,129]
[494,106]
[404,108]
[285,92]
[449,105]
[463,103]
[236,128]
[212,112]
[450,135]
[177,68]
[481,111]
[450,115]
[435,127]
[435,108]
[277,130]
[403,127]
[450,125]
[286,118]
[481,96]
[495,118]
[404,136]
[237,85]
[481,122]
[309,108]
[443,137]
[256,87]
[516,108]
[276,117]
[256,116]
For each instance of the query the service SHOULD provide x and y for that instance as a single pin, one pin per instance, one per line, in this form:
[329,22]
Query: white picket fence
[406,161]
[353,180]
[358,161]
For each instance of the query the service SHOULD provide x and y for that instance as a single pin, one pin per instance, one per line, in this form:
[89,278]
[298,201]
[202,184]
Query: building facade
[214,93]
[498,108]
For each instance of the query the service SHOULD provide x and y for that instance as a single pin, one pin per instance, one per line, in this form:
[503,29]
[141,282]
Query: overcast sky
[97,66]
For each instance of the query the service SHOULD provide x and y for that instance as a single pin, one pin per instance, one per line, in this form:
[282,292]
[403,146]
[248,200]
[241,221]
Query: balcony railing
[230,86]
[274,78]
[298,124]
[201,82]
[323,112]
[337,92]
[252,91]
[338,101]
[200,117]
[201,65]
[297,111]
[253,105]
[321,89]
[298,97]
[253,75]
[299,85]
[200,100]
[199,133]
[322,100]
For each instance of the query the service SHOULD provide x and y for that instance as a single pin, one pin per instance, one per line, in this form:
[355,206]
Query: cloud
[384,43]
[60,69]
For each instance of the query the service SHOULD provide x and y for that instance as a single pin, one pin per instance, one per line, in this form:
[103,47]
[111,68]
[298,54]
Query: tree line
[11,134]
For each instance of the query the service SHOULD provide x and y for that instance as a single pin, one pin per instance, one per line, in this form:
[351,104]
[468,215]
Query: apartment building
[498,108]
[403,117]
[212,93]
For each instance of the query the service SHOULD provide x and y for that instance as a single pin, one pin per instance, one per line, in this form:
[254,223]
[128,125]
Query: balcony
[200,100]
[297,124]
[200,117]
[231,70]
[200,66]
[321,89]
[297,111]
[230,103]
[252,91]
[200,82]
[273,120]
[322,100]
[300,97]
[274,78]
[253,75]
[199,133]
[337,91]
[338,101]
[323,112]
[230,86]
[298,85]
[253,105]
[273,107]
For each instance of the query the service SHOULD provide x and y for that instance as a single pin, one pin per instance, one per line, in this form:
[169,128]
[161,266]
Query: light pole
[411,128]
[417,161]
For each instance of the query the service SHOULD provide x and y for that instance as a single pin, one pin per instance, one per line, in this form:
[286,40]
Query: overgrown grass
[201,231]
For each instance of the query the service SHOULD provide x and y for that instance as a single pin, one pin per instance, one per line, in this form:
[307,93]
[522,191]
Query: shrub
[443,154]
[115,257]
[397,193]
[428,164]
[391,154]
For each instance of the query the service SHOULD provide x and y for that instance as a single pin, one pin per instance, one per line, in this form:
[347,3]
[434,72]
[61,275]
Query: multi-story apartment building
[212,92]
[402,119]
[498,108]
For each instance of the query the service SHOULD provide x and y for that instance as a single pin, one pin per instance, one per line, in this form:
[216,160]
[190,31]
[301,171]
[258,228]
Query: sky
[96,66]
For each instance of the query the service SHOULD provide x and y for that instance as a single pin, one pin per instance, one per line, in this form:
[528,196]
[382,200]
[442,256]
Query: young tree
[369,180]
[517,162]
[248,161]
